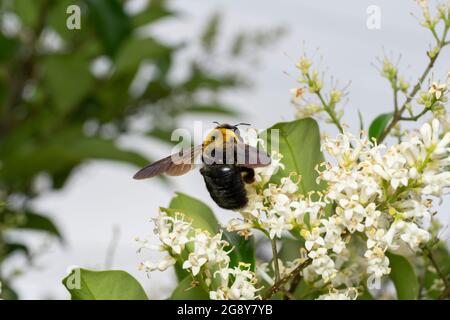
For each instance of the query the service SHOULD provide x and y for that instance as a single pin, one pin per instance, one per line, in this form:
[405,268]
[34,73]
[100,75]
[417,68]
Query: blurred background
[81,110]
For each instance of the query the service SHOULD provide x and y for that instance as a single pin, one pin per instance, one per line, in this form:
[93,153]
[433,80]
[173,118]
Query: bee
[227,165]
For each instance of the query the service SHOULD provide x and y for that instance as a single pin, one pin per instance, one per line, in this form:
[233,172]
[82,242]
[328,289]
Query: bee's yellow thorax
[220,135]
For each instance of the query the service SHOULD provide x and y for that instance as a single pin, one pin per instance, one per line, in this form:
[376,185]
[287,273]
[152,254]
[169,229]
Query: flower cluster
[313,83]
[383,196]
[204,256]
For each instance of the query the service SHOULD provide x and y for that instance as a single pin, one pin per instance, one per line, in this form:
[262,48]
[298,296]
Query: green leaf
[28,11]
[201,215]
[299,143]
[378,125]
[103,285]
[403,276]
[37,222]
[211,31]
[111,23]
[290,249]
[12,247]
[185,291]
[8,48]
[243,250]
[136,50]
[55,157]
[211,108]
[7,293]
[155,11]
[69,79]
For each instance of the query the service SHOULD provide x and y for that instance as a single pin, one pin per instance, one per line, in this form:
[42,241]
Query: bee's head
[224,132]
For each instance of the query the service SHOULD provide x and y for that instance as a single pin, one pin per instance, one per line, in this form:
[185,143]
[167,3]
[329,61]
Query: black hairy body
[226,184]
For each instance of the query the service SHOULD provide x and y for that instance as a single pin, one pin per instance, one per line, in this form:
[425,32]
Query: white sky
[101,195]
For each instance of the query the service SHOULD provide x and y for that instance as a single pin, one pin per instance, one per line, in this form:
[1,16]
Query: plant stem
[416,117]
[326,107]
[433,261]
[275,259]
[398,114]
[279,284]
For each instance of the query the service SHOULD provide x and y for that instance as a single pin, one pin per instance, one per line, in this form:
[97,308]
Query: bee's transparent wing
[251,157]
[173,165]
[235,153]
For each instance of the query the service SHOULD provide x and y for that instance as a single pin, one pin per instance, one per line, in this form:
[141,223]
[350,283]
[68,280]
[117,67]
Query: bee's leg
[248,174]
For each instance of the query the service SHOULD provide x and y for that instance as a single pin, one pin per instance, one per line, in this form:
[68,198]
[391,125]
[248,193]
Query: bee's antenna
[242,124]
[216,122]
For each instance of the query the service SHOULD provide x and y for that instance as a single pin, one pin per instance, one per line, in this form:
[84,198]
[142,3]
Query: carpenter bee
[227,164]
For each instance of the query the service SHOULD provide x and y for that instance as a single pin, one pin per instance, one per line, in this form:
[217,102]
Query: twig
[398,114]
[275,259]
[279,284]
[416,117]
[433,261]
[445,294]
[327,108]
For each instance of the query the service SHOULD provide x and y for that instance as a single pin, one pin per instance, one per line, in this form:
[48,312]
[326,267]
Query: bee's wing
[173,165]
[251,157]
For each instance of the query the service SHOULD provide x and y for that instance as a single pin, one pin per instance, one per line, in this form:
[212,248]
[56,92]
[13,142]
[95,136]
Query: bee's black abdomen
[225,185]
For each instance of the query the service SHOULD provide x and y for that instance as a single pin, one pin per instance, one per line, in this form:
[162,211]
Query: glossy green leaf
[378,125]
[185,291]
[404,277]
[299,143]
[111,23]
[201,215]
[85,284]
[242,250]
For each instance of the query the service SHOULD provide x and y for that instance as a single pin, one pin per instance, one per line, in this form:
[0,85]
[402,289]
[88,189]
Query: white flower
[288,186]
[172,231]
[148,266]
[322,264]
[242,287]
[378,263]
[276,226]
[313,239]
[414,236]
[263,174]
[194,262]
[347,294]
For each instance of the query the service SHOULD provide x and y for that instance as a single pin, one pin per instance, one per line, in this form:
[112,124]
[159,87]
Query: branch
[275,259]
[416,117]
[398,114]
[279,284]
[327,108]
[26,67]
[433,261]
